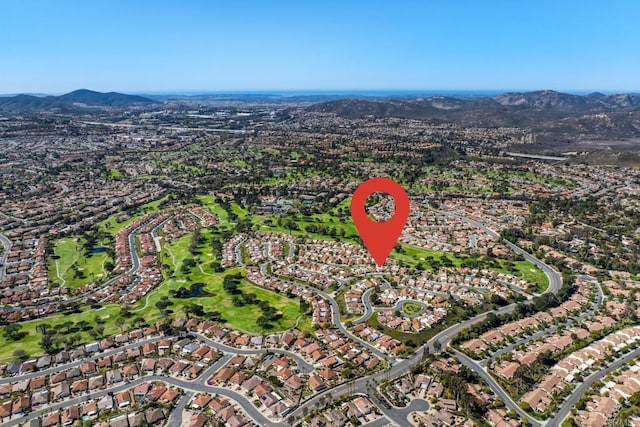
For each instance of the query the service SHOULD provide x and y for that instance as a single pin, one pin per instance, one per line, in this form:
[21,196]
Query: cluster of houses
[430,229]
[229,256]
[528,356]
[306,271]
[209,409]
[25,266]
[353,296]
[577,364]
[359,410]
[444,411]
[123,260]
[144,405]
[496,337]
[436,309]
[326,353]
[325,263]
[266,245]
[93,367]
[254,376]
[255,248]
[602,408]
[383,341]
[54,209]
[330,254]
[392,320]
[463,282]
[494,213]
[205,217]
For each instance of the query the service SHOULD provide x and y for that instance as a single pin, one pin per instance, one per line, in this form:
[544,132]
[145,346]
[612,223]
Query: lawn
[243,318]
[75,267]
[411,308]
[533,274]
[145,310]
[117,222]
[115,173]
[175,253]
[30,342]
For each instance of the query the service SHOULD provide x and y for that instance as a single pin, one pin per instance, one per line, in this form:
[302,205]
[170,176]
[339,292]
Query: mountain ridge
[75,100]
[552,115]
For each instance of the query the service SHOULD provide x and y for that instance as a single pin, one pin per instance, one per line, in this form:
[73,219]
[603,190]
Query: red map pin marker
[379,237]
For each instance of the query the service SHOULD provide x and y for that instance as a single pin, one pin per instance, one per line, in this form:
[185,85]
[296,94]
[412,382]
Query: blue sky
[170,46]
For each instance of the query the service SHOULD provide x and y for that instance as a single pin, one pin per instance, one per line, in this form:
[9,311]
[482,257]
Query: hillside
[552,115]
[76,100]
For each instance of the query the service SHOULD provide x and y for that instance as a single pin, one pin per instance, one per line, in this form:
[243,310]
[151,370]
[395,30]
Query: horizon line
[354,91]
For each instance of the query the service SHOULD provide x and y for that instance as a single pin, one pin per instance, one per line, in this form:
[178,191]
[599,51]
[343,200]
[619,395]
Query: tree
[120,323]
[46,343]
[263,322]
[125,311]
[13,332]
[42,328]
[20,354]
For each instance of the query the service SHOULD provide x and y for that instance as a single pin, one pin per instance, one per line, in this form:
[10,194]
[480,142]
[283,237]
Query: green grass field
[115,173]
[411,308]
[240,318]
[243,318]
[533,274]
[175,253]
[73,266]
[117,222]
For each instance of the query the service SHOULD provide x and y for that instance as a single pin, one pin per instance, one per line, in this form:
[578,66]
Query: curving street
[363,385]
[6,248]
[570,402]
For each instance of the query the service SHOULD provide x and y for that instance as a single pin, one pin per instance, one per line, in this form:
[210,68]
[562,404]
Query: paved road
[238,250]
[577,393]
[197,386]
[292,249]
[6,244]
[555,279]
[536,156]
[539,334]
[175,419]
[303,366]
[366,301]
[400,415]
[499,391]
[95,356]
[380,422]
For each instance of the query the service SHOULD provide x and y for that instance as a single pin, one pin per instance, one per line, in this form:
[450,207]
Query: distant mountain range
[554,116]
[538,100]
[72,101]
